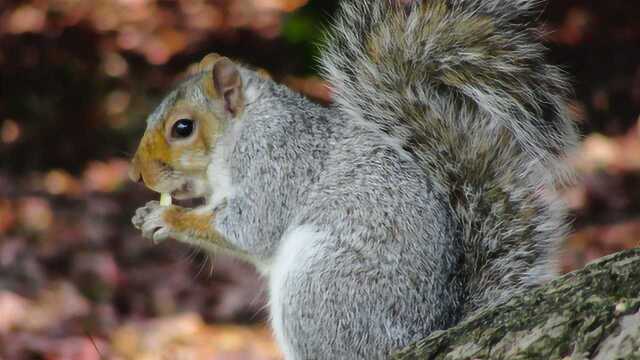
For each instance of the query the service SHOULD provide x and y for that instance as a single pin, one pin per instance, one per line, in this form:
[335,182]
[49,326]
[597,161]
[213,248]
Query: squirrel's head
[181,133]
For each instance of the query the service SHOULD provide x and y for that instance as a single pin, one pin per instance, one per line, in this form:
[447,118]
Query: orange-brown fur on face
[166,164]
[159,157]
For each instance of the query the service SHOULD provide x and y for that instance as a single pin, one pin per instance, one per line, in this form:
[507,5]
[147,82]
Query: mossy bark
[593,313]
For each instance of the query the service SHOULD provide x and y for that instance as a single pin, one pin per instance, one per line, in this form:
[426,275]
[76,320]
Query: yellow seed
[165,199]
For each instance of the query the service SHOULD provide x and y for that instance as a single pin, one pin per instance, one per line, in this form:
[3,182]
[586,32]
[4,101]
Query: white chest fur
[294,254]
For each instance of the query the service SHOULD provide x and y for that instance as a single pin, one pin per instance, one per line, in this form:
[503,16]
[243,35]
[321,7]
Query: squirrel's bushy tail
[463,87]
[394,61]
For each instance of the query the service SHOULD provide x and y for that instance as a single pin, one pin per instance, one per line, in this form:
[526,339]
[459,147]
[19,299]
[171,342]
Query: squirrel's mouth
[184,192]
[188,194]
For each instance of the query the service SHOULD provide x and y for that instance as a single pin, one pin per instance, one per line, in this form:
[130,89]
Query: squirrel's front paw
[150,219]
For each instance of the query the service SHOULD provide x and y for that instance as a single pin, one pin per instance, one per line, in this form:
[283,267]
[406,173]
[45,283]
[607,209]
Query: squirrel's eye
[182,128]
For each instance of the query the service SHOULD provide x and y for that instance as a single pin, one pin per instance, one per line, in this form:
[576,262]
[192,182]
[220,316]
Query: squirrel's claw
[149,219]
[141,214]
[160,235]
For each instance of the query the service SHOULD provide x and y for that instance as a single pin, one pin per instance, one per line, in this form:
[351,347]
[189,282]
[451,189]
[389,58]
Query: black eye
[182,128]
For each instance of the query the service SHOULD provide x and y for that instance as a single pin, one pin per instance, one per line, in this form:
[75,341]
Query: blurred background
[77,79]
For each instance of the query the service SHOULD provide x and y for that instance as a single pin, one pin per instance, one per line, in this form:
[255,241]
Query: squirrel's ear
[228,84]
[207,62]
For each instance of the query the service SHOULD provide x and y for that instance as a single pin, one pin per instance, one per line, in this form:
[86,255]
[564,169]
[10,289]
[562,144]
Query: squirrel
[427,191]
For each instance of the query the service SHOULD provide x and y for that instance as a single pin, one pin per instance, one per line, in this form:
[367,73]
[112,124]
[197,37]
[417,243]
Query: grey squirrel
[426,192]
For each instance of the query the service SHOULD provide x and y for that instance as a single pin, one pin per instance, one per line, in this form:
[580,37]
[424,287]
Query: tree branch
[592,313]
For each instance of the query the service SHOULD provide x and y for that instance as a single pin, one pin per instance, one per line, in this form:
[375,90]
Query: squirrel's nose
[134,173]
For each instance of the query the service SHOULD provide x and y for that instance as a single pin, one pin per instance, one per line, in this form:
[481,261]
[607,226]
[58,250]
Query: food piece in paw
[165,199]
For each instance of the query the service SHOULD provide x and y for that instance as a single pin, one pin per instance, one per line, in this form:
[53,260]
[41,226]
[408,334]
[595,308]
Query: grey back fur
[462,85]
